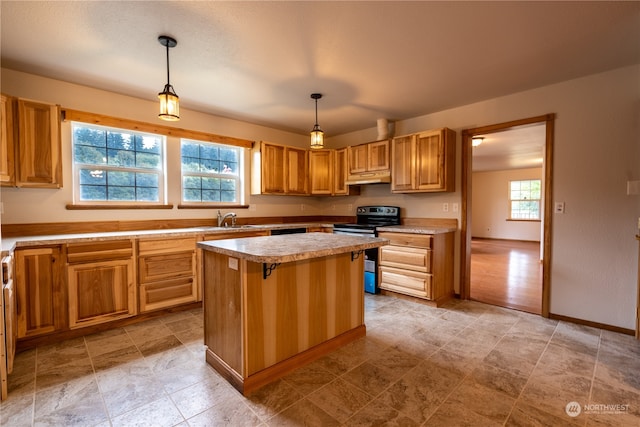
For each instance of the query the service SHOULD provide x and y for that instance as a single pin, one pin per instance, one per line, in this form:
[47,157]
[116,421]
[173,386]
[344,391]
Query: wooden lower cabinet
[39,291]
[102,289]
[167,273]
[418,265]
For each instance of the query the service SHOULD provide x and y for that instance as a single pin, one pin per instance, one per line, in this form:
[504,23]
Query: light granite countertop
[416,229]
[11,243]
[291,247]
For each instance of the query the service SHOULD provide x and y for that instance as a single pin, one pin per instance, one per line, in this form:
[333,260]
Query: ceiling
[516,148]
[260,61]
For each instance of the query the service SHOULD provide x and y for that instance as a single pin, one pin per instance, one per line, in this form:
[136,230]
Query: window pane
[118,155]
[125,194]
[90,155]
[214,172]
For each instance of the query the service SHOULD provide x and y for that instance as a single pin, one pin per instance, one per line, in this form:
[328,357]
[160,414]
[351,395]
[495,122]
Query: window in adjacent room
[212,173]
[117,166]
[524,199]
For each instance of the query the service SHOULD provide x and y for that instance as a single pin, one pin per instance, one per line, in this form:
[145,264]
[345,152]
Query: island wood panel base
[280,369]
[253,323]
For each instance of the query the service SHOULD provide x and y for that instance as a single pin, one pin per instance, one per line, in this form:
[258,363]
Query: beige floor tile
[375,414]
[303,413]
[340,399]
[162,411]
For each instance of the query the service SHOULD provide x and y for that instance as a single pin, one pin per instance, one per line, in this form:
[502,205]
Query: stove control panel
[393,211]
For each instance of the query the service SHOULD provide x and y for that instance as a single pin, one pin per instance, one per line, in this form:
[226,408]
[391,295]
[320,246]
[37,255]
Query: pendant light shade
[317,136]
[169,101]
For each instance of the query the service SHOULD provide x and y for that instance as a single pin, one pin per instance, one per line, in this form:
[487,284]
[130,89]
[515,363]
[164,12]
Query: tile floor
[465,364]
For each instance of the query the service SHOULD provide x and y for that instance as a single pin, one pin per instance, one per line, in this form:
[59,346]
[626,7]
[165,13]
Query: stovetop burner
[370,217]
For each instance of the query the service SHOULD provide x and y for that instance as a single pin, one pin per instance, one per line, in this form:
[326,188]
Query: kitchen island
[275,303]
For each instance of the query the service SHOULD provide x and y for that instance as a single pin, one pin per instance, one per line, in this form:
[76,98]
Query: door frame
[465,230]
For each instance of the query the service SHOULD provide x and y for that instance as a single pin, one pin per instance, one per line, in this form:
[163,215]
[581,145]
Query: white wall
[597,139]
[490,206]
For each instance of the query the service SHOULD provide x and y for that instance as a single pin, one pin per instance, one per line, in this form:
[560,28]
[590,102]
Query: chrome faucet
[222,219]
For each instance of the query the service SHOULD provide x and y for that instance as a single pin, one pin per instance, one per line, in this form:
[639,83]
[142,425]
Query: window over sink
[212,173]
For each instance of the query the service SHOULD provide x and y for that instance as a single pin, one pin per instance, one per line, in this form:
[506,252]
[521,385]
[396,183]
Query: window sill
[212,206]
[523,220]
[107,207]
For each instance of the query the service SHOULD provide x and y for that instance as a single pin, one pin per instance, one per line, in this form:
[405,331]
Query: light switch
[559,207]
[633,188]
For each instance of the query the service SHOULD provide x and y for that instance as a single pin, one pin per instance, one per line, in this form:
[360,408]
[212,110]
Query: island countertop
[291,247]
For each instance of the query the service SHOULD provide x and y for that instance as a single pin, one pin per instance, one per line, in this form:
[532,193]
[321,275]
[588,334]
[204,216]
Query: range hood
[378,177]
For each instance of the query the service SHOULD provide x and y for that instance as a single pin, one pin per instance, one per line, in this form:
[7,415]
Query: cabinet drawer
[406,282]
[154,296]
[99,251]
[153,268]
[408,239]
[406,257]
[146,247]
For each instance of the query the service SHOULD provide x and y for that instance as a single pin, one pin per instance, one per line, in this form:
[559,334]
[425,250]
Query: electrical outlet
[454,206]
[445,207]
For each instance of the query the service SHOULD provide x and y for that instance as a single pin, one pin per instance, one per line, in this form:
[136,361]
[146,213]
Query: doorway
[517,270]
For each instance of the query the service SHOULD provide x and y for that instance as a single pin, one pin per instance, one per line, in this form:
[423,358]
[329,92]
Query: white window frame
[77,167]
[239,178]
[539,200]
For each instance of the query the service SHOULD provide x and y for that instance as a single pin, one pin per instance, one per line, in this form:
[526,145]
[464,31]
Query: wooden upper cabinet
[378,155]
[358,158]
[403,175]
[372,156]
[340,172]
[296,171]
[321,175]
[271,168]
[279,169]
[424,162]
[36,155]
[7,138]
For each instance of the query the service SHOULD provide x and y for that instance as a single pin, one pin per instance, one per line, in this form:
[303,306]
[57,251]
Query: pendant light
[169,101]
[317,136]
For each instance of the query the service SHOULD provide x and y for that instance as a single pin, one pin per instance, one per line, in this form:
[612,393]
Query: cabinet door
[272,164]
[340,171]
[100,292]
[378,155]
[402,165]
[38,150]
[358,158]
[296,171]
[40,304]
[430,161]
[321,175]
[435,160]
[7,135]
